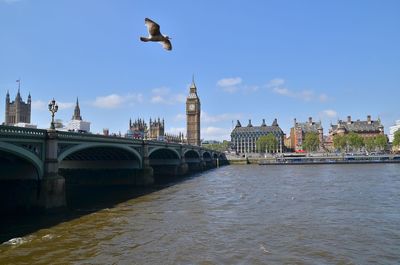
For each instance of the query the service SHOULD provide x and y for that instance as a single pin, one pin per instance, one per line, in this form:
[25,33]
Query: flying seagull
[155,34]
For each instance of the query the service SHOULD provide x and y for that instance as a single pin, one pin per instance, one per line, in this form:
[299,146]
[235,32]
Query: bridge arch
[25,155]
[215,156]
[191,154]
[206,155]
[166,151]
[126,150]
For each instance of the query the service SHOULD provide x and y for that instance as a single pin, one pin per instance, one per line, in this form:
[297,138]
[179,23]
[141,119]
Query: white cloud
[176,130]
[65,105]
[329,113]
[41,105]
[306,95]
[157,99]
[323,97]
[163,95]
[282,91]
[180,117]
[215,133]
[278,86]
[276,82]
[229,85]
[230,89]
[227,82]
[114,100]
[206,118]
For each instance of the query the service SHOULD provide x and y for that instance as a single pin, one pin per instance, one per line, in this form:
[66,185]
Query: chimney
[295,122]
[310,119]
[263,123]
[348,119]
[369,119]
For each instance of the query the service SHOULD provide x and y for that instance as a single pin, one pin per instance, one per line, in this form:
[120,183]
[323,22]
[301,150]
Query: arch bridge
[51,158]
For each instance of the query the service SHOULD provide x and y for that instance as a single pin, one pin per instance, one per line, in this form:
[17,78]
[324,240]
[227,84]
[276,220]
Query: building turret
[8,97]
[18,98]
[193,89]
[369,121]
[263,123]
[275,122]
[77,112]
[29,98]
[6,119]
[249,125]
[238,124]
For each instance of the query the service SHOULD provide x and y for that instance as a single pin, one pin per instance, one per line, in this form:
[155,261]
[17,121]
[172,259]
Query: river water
[298,214]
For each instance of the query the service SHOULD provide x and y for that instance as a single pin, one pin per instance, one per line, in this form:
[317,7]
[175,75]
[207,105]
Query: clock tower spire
[193,116]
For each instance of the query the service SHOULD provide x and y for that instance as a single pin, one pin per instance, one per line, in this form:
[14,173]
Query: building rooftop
[256,130]
[359,126]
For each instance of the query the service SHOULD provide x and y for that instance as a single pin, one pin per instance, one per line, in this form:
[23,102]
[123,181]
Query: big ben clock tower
[193,116]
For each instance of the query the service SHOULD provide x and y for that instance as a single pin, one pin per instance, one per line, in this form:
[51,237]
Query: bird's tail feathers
[144,39]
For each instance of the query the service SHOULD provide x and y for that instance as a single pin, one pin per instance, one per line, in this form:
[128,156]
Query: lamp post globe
[53,108]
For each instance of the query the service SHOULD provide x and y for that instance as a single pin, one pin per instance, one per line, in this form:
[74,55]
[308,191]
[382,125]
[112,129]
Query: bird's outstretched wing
[152,27]
[167,45]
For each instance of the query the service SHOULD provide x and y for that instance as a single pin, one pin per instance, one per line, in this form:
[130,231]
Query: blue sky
[251,60]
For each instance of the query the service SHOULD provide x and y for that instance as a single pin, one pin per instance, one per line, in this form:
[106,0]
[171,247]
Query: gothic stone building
[243,139]
[300,129]
[137,129]
[156,130]
[17,111]
[193,116]
[365,129]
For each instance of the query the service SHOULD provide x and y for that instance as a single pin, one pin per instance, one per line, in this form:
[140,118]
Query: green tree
[355,141]
[311,141]
[381,141]
[220,147]
[340,142]
[370,144]
[396,140]
[267,143]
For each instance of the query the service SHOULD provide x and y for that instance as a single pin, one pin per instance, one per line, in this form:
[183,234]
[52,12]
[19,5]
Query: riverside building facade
[300,129]
[368,128]
[244,139]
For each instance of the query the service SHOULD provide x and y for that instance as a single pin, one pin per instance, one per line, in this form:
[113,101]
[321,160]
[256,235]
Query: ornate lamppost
[53,107]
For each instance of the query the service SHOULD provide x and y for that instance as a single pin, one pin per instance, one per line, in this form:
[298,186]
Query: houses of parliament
[17,111]
[155,130]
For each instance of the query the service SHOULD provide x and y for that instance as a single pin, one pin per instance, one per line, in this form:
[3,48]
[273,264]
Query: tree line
[348,142]
[354,142]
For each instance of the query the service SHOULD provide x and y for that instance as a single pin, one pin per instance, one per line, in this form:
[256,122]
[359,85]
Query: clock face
[191,107]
